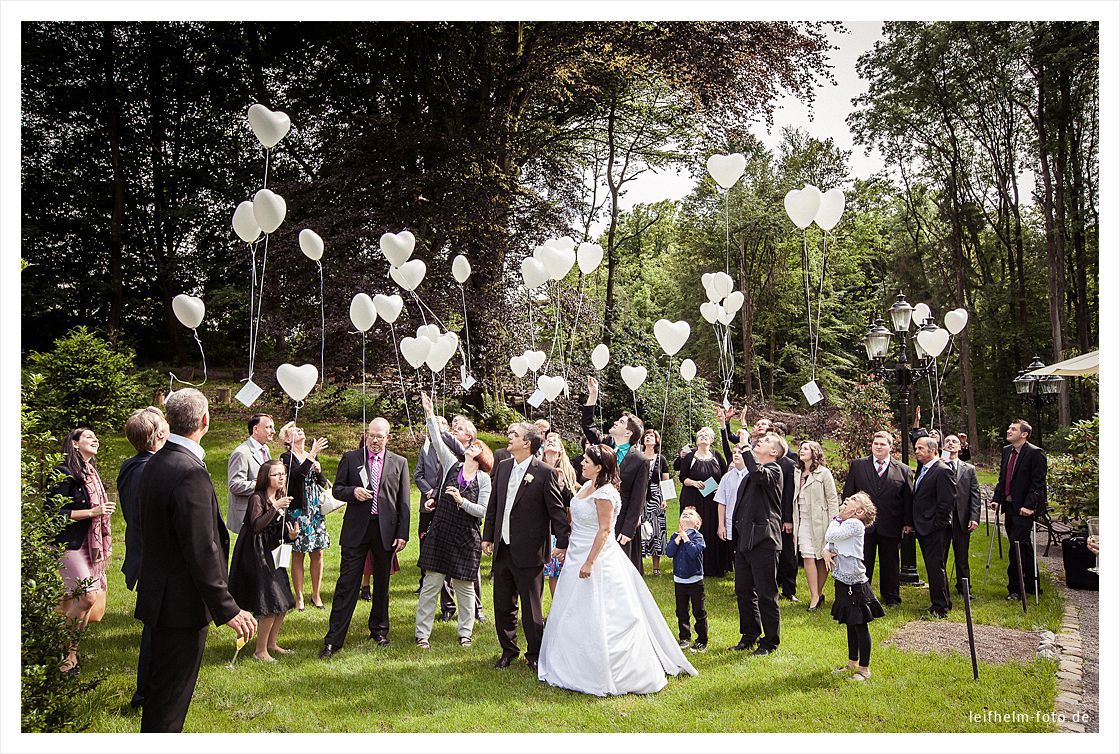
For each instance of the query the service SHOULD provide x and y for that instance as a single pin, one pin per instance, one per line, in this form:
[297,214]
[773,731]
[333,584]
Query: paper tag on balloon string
[668,490]
[249,394]
[812,392]
[726,404]
[468,382]
[536,399]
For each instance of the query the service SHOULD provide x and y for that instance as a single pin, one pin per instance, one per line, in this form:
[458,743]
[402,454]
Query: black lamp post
[903,375]
[1039,390]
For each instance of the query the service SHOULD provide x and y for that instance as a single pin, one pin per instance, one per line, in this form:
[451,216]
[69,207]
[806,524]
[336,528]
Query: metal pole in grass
[1019,568]
[1034,551]
[988,566]
[968,622]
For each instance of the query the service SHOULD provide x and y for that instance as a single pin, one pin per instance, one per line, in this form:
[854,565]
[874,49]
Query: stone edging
[1070,662]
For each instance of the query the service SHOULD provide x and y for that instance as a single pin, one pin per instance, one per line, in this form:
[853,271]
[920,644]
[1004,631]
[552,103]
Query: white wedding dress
[605,634]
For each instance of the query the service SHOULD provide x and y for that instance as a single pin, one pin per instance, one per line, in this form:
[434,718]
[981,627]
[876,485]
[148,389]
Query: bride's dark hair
[603,456]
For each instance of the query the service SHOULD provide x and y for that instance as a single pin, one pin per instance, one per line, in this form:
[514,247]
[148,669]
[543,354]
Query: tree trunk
[746,319]
[116,266]
[612,231]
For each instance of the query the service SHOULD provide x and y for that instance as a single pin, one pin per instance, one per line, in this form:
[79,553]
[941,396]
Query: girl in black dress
[696,467]
[255,583]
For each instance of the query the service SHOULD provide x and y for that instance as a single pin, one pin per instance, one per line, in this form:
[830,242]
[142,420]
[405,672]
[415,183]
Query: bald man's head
[378,435]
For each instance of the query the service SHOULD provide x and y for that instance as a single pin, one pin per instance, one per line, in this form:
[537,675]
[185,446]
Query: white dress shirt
[516,475]
[196,449]
[728,492]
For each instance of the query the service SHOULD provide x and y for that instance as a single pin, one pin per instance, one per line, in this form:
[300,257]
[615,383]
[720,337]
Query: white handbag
[282,556]
[328,503]
[647,531]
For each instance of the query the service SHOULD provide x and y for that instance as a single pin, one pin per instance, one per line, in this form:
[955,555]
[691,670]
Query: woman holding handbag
[306,488]
[815,504]
[257,582]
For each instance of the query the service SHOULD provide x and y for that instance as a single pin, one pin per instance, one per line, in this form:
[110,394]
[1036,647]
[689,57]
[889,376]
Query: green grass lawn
[450,689]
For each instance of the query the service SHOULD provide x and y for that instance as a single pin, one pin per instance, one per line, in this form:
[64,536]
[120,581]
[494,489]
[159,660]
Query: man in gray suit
[244,463]
[966,512]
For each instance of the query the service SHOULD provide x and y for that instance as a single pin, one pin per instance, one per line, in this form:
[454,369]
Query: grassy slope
[449,689]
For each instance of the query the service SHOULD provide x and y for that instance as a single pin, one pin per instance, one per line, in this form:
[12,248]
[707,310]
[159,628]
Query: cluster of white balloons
[723,301]
[529,360]
[554,259]
[364,310]
[934,341]
[808,205]
[430,347]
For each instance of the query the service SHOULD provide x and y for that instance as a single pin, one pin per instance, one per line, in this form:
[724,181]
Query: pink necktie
[881,467]
[375,482]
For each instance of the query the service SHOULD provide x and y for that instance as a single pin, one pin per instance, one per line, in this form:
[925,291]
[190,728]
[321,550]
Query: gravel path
[1089,626]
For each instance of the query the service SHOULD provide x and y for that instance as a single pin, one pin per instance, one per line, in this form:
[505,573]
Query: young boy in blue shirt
[686,548]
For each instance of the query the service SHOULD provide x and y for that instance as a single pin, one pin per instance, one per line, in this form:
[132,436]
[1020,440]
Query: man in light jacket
[244,463]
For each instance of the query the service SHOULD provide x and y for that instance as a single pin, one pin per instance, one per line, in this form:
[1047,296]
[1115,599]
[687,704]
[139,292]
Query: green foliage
[1072,482]
[85,382]
[864,410]
[50,701]
[495,415]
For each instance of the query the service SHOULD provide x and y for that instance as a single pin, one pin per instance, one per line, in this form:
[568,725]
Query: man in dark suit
[374,483]
[183,574]
[757,526]
[147,431]
[930,515]
[1021,495]
[633,469]
[966,511]
[887,482]
[525,505]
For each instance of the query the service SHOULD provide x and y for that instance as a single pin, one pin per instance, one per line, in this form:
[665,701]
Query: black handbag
[1077,561]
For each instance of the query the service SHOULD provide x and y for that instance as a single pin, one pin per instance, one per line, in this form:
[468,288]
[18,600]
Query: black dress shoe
[790,597]
[503,661]
[744,644]
[762,651]
[892,603]
[364,594]
[532,664]
[328,650]
[1014,598]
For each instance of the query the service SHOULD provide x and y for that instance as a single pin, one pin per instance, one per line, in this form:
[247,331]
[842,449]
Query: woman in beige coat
[815,502]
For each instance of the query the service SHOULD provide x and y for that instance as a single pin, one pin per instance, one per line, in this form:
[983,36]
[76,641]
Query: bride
[605,634]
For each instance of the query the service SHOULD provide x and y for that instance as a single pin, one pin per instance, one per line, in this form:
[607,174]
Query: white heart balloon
[442,351]
[269,126]
[727,169]
[920,314]
[725,317]
[734,301]
[831,209]
[415,350]
[431,332]
[671,336]
[460,269]
[634,377]
[550,386]
[310,244]
[589,256]
[802,206]
[722,285]
[388,307]
[533,272]
[557,262]
[563,243]
[600,356]
[410,274]
[362,312]
[189,310]
[688,370]
[710,312]
[244,223]
[933,341]
[956,320]
[397,247]
[297,381]
[269,210]
[519,366]
[535,359]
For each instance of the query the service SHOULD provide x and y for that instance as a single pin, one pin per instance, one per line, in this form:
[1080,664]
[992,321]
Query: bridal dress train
[605,635]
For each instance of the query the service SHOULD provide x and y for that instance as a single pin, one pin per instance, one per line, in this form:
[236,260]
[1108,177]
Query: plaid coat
[453,542]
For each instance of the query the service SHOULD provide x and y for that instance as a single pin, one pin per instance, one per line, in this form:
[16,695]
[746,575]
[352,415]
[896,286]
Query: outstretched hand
[592,390]
[426,402]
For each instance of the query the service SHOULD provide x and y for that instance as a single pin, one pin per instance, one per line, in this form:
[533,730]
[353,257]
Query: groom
[526,499]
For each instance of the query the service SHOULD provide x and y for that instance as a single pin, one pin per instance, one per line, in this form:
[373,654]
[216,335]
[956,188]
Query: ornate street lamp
[1038,390]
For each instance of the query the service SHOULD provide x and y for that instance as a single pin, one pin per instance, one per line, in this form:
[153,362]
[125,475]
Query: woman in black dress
[696,467]
[255,583]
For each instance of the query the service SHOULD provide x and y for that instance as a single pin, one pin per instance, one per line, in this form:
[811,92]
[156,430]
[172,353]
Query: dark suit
[967,509]
[1028,490]
[518,571]
[891,494]
[183,579]
[787,561]
[128,487]
[362,533]
[930,513]
[633,487]
[757,524]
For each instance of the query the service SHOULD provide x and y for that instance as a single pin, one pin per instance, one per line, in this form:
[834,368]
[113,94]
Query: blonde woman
[815,504]
[305,482]
[696,467]
[553,454]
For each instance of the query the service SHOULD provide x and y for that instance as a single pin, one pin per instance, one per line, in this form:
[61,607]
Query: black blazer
[1028,482]
[392,498]
[299,476]
[968,497]
[633,472]
[76,498]
[891,493]
[184,574]
[933,500]
[758,507]
[128,487]
[537,508]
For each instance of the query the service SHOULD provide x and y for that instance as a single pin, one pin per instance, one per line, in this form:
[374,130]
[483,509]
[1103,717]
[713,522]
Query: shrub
[865,410]
[1072,479]
[85,382]
[49,700]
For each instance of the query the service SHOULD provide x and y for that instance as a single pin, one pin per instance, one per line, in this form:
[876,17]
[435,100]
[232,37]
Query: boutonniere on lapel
[527,480]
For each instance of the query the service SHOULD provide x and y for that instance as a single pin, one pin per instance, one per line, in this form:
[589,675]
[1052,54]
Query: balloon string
[635,394]
[267,152]
[400,373]
[555,328]
[690,407]
[575,324]
[665,403]
[820,302]
[252,298]
[727,231]
[260,307]
[808,300]
[466,329]
[532,329]
[323,328]
[295,420]
[364,422]
[429,310]
[174,379]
